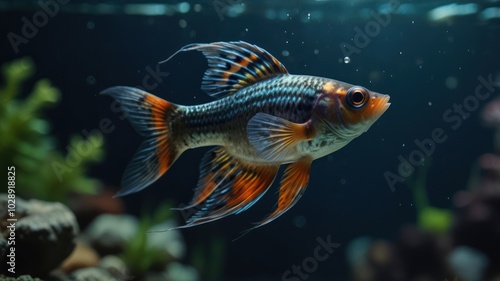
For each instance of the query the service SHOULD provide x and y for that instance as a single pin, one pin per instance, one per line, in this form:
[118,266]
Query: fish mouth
[382,105]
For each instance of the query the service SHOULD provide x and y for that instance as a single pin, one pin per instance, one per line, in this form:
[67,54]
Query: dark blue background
[347,195]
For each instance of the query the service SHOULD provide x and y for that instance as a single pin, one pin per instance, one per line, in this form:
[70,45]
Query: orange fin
[275,138]
[215,167]
[293,185]
[234,65]
[227,186]
[150,116]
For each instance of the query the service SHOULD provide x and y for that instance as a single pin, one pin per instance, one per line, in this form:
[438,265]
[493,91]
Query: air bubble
[285,53]
[451,82]
[90,25]
[91,80]
[299,221]
[347,60]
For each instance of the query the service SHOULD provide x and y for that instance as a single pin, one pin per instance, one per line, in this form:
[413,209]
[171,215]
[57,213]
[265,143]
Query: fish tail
[150,116]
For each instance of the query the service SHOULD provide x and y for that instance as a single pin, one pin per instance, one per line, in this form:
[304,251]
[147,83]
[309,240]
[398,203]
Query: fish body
[263,117]
[291,97]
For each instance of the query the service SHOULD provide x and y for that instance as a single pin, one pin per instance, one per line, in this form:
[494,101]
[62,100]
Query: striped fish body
[223,122]
[262,117]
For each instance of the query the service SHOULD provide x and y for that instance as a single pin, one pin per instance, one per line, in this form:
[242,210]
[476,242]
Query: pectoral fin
[275,138]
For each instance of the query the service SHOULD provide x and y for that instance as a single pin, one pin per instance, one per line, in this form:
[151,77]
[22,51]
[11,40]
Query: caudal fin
[150,116]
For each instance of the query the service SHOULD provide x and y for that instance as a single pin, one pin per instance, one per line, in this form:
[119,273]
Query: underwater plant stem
[418,186]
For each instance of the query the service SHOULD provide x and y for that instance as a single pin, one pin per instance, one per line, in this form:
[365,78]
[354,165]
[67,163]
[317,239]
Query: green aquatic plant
[208,257]
[26,143]
[138,255]
[436,220]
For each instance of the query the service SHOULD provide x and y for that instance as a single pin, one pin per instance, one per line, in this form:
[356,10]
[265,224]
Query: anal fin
[227,186]
[215,167]
[293,186]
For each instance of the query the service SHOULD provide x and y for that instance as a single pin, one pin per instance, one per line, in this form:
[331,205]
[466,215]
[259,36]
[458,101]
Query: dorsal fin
[234,65]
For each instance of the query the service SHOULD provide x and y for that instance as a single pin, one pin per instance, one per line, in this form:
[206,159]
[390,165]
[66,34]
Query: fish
[261,117]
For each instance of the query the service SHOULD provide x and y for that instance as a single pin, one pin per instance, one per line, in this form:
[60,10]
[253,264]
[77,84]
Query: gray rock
[171,241]
[93,274]
[20,278]
[116,266]
[469,263]
[3,248]
[108,234]
[180,272]
[44,235]
[174,272]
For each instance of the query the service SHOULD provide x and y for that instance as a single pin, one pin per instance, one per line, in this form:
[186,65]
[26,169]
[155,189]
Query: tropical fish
[263,117]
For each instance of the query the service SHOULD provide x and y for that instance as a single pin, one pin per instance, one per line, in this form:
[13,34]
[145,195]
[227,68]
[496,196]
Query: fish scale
[290,97]
[263,117]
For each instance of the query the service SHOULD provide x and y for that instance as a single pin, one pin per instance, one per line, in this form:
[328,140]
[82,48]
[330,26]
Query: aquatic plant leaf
[27,144]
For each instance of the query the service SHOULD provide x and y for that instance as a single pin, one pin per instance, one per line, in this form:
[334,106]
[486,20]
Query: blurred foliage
[42,171]
[208,257]
[138,255]
[435,220]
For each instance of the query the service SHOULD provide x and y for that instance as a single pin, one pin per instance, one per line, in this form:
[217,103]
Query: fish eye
[357,97]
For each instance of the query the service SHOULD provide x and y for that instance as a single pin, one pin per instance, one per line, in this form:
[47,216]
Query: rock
[381,254]
[169,241]
[357,251]
[82,256]
[420,255]
[156,276]
[468,263]
[116,267]
[108,234]
[477,224]
[180,272]
[44,235]
[174,272]
[87,207]
[491,113]
[3,248]
[20,278]
[93,274]
[58,275]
